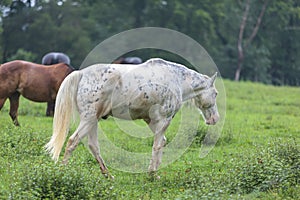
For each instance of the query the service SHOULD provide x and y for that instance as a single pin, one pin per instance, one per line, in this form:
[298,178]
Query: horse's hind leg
[85,127]
[14,105]
[81,131]
[94,147]
[50,109]
[2,101]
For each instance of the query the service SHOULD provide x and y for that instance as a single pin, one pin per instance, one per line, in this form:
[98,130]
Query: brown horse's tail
[65,106]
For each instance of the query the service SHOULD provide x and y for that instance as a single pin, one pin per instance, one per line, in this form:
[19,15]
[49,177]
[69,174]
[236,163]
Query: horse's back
[10,71]
[13,66]
[154,71]
[30,68]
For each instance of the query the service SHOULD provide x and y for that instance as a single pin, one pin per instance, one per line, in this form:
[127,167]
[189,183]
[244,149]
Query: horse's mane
[164,62]
[70,66]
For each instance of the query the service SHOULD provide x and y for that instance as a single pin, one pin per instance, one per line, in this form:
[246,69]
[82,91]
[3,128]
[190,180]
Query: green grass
[256,157]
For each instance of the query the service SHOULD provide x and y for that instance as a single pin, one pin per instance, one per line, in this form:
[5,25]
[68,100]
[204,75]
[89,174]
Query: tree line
[256,40]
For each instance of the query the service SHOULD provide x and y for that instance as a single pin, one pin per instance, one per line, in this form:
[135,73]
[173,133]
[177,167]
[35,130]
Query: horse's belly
[127,113]
[37,99]
[36,96]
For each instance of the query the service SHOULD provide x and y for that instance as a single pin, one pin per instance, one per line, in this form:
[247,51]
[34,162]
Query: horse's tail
[65,106]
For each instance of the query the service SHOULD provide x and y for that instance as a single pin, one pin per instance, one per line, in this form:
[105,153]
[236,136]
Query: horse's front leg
[159,128]
[14,105]
[50,108]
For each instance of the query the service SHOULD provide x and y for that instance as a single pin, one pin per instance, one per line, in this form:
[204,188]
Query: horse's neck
[193,84]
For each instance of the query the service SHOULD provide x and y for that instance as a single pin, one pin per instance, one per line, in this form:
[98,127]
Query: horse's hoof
[111,177]
[16,123]
[108,175]
[64,162]
[153,175]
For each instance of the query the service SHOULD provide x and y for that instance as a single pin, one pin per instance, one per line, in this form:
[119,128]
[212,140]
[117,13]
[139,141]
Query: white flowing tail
[65,106]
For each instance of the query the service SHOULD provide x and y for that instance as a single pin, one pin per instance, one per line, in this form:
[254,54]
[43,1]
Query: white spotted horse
[153,91]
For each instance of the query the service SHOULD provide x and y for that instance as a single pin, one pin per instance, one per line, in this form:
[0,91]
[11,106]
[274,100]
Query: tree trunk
[249,40]
[240,42]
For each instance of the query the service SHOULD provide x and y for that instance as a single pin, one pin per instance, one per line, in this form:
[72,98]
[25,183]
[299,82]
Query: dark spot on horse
[140,88]
[146,96]
[105,79]
[150,83]
[98,88]
[126,89]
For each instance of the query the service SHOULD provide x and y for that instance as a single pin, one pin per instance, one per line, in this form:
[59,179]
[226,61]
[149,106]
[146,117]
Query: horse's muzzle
[213,120]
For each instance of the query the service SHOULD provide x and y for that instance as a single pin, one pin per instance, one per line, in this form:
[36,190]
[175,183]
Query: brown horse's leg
[2,101]
[50,109]
[14,105]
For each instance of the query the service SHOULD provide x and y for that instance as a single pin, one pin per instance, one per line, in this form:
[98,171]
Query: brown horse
[35,82]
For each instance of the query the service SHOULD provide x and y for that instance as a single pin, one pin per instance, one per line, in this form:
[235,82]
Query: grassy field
[256,157]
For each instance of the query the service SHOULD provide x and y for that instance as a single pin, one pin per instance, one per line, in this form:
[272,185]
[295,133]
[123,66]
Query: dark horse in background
[50,59]
[35,82]
[128,60]
[54,58]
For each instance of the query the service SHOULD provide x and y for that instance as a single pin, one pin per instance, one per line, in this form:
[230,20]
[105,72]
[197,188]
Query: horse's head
[206,102]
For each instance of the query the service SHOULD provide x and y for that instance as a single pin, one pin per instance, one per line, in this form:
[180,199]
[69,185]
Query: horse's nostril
[212,121]
[208,122]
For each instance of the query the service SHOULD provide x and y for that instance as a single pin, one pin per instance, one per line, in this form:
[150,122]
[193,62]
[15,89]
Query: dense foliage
[251,40]
[256,157]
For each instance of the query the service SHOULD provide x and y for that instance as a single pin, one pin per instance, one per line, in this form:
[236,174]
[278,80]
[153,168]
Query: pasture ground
[257,156]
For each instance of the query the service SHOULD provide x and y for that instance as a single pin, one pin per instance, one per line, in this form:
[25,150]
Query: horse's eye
[206,106]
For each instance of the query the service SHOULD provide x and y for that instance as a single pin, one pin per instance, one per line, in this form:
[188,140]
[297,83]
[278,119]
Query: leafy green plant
[272,168]
[50,181]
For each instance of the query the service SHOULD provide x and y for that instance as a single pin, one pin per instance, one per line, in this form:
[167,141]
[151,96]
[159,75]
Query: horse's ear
[213,78]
